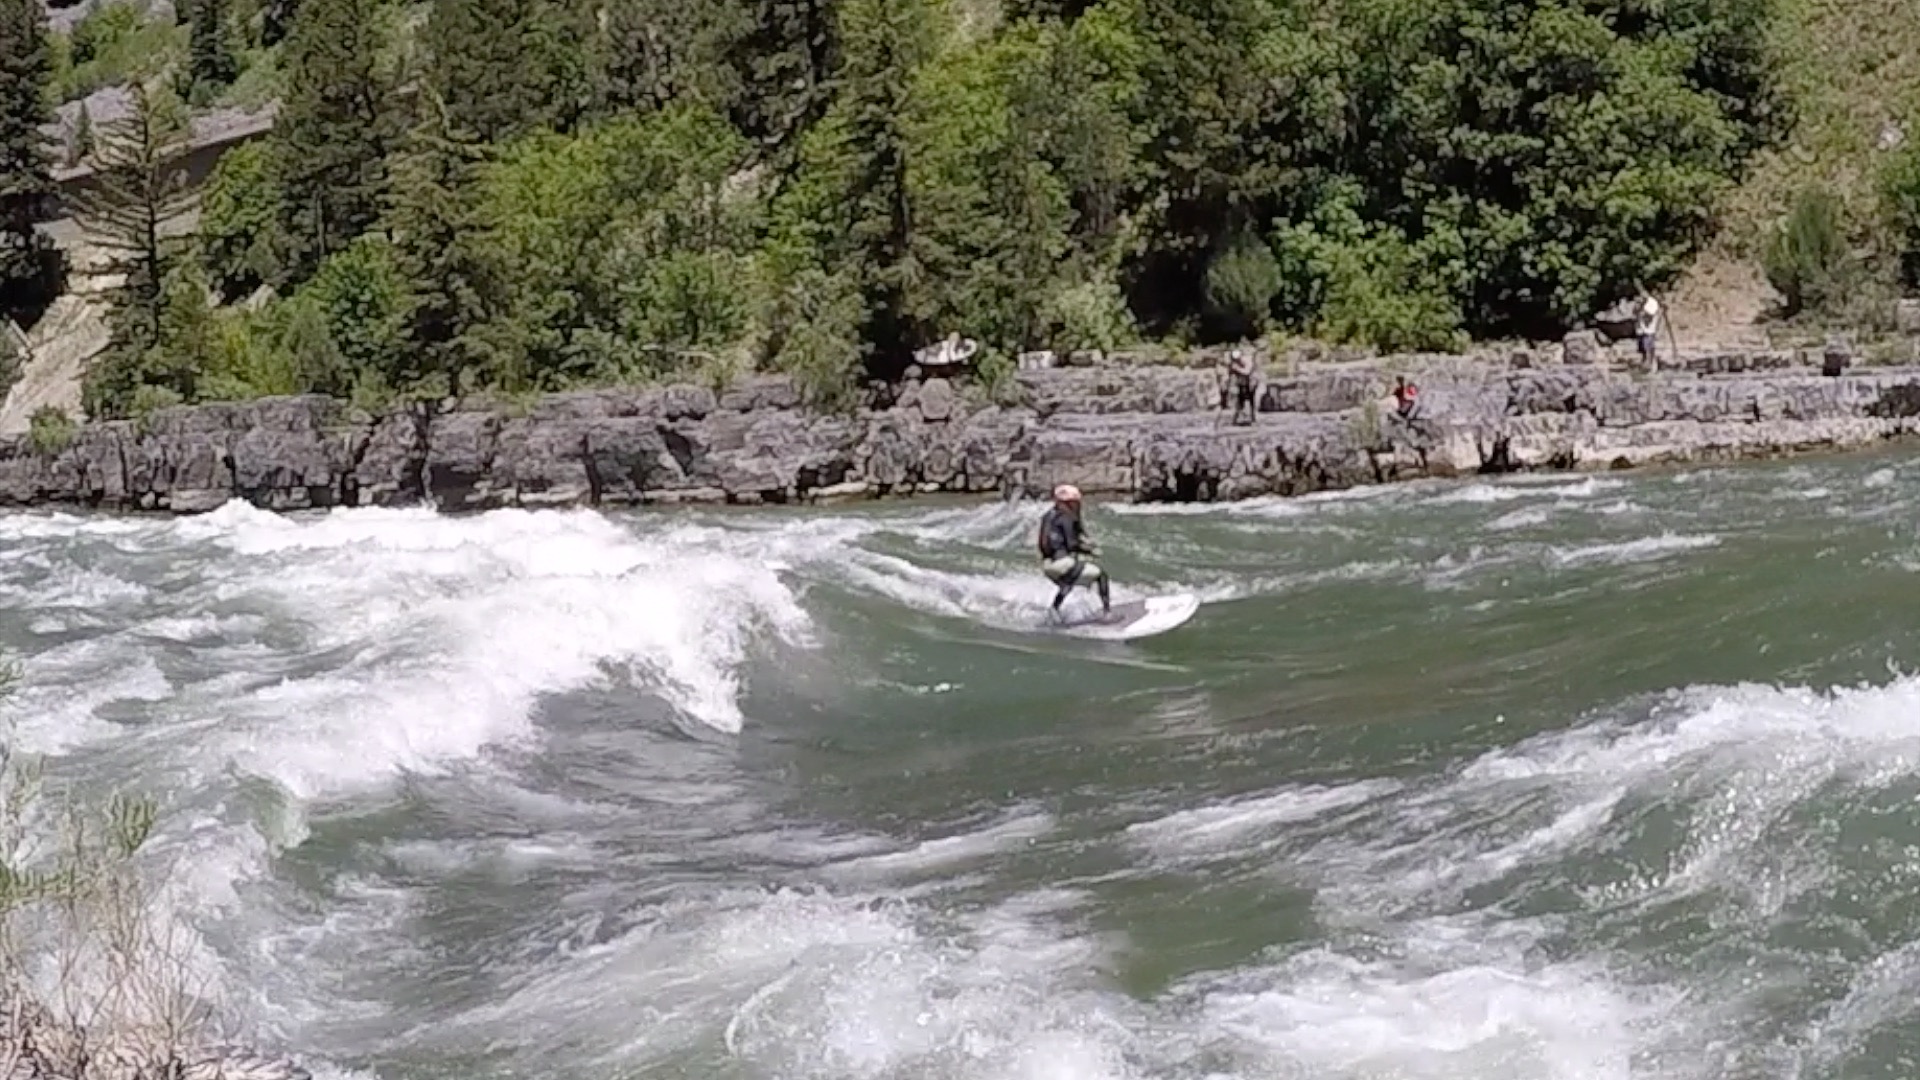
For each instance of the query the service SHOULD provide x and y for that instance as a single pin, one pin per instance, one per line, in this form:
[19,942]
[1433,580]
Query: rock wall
[1148,433]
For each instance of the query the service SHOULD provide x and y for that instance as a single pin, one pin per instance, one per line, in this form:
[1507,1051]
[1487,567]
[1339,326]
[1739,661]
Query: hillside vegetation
[529,194]
[1850,74]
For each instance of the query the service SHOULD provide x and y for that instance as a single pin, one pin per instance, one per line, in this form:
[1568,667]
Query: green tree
[30,268]
[432,217]
[661,51]
[1900,211]
[1245,106]
[618,249]
[139,189]
[361,297]
[239,232]
[1552,154]
[1019,151]
[502,67]
[211,64]
[1807,257]
[786,63]
[335,132]
[849,206]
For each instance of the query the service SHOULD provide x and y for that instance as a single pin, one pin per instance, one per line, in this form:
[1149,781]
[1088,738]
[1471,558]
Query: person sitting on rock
[1242,379]
[1406,397]
[1064,547]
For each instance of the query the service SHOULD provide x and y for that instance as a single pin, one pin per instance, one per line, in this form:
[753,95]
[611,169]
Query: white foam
[1630,551]
[1226,825]
[1446,1003]
[457,625]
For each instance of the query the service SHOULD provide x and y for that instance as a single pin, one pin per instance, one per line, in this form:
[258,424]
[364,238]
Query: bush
[1087,315]
[50,430]
[115,45]
[1352,282]
[816,337]
[150,399]
[1900,207]
[1241,284]
[1806,258]
[86,970]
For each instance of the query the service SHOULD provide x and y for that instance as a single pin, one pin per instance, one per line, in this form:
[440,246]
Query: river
[1597,776]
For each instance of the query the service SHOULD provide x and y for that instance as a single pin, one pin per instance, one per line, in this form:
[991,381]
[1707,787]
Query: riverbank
[1146,433]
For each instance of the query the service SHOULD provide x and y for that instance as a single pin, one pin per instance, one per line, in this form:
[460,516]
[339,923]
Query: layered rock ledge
[1145,433]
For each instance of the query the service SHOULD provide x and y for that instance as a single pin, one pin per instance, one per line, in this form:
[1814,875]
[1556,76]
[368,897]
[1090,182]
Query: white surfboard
[1133,619]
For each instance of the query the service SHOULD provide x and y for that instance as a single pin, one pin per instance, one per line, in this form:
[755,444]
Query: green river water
[1560,776]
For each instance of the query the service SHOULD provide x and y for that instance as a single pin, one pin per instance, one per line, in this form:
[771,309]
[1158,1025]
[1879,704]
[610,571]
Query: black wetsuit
[1061,535]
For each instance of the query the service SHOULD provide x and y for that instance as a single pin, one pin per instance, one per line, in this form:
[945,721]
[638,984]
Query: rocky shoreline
[1148,433]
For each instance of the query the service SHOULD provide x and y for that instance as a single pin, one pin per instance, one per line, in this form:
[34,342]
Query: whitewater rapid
[1569,777]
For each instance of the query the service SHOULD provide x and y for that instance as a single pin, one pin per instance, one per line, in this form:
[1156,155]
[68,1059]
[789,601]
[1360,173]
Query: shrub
[1900,206]
[1241,284]
[1806,257]
[1087,315]
[50,430]
[86,970]
[115,45]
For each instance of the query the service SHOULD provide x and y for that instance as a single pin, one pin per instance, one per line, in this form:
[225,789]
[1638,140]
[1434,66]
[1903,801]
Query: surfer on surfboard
[1064,550]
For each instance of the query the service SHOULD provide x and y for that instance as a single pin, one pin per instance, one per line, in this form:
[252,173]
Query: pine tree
[785,63]
[210,62]
[660,51]
[336,128]
[503,67]
[29,265]
[139,188]
[431,218]
[276,21]
[852,202]
[82,147]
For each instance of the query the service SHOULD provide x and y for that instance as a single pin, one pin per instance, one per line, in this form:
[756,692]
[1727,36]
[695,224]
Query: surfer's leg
[1065,573]
[1106,599]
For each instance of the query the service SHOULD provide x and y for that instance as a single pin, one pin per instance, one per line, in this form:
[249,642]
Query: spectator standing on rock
[1646,329]
[1242,383]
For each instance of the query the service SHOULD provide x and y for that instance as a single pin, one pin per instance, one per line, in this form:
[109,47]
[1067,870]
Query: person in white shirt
[1646,328]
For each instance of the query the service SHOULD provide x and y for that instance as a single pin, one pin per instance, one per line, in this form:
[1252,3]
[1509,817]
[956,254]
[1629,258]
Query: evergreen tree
[502,67]
[139,188]
[850,206]
[785,63]
[435,230]
[276,21]
[82,147]
[210,62]
[335,131]
[659,51]
[29,265]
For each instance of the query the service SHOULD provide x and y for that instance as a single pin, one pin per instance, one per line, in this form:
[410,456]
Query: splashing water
[1544,778]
